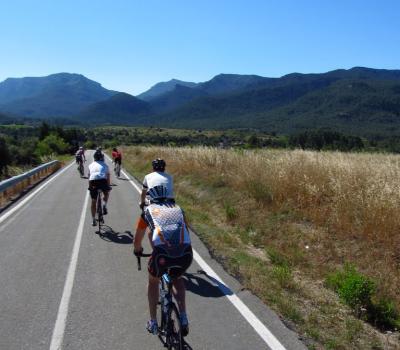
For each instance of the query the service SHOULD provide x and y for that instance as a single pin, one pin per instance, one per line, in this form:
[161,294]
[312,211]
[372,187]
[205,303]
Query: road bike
[168,319]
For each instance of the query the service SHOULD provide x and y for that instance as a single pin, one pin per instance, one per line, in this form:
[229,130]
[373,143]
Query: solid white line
[259,327]
[59,328]
[27,199]
[252,319]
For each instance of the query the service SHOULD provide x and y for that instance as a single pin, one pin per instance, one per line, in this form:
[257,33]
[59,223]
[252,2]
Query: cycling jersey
[98,170]
[157,178]
[116,155]
[167,223]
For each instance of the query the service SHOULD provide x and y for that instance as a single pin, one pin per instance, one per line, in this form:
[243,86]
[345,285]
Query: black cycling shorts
[177,260]
[118,160]
[94,185]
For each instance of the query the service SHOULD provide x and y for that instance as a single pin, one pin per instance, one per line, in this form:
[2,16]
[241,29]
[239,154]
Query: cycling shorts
[78,159]
[177,259]
[118,160]
[94,185]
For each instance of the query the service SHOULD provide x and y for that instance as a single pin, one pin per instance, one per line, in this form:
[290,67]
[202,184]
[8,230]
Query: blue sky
[129,45]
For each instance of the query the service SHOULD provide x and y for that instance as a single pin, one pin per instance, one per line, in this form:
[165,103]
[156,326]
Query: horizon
[197,82]
[130,46]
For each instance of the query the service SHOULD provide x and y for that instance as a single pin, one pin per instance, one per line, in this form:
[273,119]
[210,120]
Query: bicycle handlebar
[141,255]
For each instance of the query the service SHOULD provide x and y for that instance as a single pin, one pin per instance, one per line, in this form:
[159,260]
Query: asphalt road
[64,286]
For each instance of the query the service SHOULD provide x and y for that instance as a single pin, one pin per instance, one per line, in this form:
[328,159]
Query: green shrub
[359,292]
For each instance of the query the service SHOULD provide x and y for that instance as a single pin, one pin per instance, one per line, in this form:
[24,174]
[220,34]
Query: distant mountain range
[57,95]
[359,100]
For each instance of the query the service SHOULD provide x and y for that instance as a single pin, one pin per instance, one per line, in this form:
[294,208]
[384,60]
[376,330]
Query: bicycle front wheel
[174,329]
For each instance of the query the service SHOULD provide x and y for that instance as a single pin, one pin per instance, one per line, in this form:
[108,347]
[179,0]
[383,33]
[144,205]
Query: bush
[359,292]
[51,144]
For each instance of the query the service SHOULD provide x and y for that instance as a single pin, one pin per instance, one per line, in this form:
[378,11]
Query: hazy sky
[129,45]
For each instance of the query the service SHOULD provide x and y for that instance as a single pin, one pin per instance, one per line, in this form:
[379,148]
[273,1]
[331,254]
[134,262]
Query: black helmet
[157,193]
[158,164]
[98,155]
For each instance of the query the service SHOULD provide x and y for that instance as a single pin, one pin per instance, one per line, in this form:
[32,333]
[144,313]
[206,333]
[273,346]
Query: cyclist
[80,156]
[170,240]
[117,157]
[99,178]
[157,177]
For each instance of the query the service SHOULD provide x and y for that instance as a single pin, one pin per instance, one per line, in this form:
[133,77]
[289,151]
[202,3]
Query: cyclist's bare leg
[179,294]
[152,294]
[93,208]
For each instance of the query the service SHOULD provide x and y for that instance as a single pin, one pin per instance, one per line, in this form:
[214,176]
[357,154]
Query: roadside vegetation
[314,234]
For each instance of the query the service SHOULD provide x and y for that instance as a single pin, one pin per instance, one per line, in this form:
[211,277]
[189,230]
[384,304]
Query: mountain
[56,95]
[121,108]
[300,101]
[227,83]
[175,98]
[162,88]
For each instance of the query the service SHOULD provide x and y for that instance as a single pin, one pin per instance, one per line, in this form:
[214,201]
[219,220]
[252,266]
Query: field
[295,227]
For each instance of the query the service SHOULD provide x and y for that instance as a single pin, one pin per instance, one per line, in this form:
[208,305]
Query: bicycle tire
[81,170]
[162,315]
[174,337]
[99,210]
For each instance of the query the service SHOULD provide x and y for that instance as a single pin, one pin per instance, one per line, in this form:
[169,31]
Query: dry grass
[316,209]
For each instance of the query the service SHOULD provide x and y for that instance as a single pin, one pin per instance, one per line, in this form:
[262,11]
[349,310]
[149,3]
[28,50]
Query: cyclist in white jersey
[99,178]
[157,177]
[170,240]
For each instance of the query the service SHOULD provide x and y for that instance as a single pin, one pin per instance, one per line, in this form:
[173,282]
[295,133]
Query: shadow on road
[122,179]
[204,285]
[109,235]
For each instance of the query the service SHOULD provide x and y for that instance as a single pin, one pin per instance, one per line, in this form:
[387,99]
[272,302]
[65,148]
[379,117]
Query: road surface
[64,286]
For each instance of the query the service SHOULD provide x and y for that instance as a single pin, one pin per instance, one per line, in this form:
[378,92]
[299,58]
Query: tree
[51,144]
[5,157]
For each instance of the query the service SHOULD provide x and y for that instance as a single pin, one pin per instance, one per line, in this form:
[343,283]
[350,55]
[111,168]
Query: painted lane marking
[59,327]
[250,317]
[27,199]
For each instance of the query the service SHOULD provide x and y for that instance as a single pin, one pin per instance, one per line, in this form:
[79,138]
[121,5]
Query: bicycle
[99,209]
[169,321]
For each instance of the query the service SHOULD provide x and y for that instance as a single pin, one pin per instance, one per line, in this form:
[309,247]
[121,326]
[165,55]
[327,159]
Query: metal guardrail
[18,183]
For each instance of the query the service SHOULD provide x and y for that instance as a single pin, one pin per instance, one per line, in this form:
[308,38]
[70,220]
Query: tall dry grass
[353,199]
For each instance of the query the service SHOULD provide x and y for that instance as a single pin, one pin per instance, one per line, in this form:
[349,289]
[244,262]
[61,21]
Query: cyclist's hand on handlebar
[138,252]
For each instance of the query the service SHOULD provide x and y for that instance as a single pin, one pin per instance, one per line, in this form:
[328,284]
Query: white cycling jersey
[157,178]
[98,170]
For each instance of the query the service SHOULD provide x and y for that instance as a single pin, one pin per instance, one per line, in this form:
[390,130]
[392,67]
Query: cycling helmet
[81,148]
[98,155]
[157,193]
[158,164]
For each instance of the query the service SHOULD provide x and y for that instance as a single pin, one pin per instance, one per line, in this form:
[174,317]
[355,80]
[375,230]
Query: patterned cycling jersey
[167,224]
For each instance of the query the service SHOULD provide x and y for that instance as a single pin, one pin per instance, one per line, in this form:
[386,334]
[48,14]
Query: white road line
[252,319]
[59,328]
[27,199]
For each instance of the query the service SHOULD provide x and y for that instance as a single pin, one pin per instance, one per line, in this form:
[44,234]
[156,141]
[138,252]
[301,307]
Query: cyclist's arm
[137,242]
[143,195]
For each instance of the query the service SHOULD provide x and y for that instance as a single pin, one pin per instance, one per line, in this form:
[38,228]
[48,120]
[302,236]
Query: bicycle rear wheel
[81,168]
[174,329]
[99,210]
